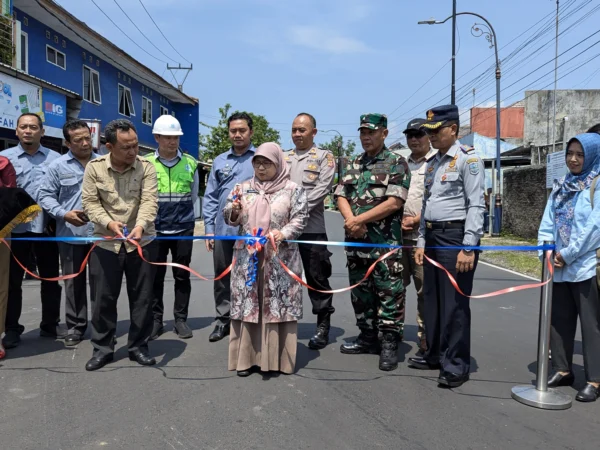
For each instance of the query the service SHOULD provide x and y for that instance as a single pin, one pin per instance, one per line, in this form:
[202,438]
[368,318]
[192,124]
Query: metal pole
[555,81]
[541,396]
[453,91]
[497,187]
[492,201]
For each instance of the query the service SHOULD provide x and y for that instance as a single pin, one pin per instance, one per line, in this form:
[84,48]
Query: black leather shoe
[98,362]
[72,340]
[365,343]
[219,333]
[157,330]
[183,330]
[561,380]
[12,339]
[142,358]
[452,380]
[243,373]
[588,394]
[421,364]
[56,332]
[321,337]
[388,358]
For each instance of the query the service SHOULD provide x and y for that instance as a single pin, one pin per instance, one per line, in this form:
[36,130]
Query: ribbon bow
[254,244]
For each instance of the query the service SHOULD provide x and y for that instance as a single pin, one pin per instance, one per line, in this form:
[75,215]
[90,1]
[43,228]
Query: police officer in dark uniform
[452,215]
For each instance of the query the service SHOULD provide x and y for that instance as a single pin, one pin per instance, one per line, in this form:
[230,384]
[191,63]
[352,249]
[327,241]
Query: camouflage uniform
[378,302]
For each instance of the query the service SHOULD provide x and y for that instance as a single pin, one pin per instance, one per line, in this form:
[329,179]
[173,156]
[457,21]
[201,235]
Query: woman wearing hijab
[16,207]
[265,312]
[574,225]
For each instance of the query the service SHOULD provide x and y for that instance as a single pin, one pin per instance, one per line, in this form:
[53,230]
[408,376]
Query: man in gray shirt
[420,151]
[30,159]
[60,197]
[451,216]
[314,169]
[228,169]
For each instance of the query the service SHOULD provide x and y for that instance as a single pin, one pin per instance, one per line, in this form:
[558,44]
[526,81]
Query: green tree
[216,141]
[337,144]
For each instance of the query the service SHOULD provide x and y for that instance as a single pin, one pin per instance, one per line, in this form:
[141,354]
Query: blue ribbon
[253,262]
[250,240]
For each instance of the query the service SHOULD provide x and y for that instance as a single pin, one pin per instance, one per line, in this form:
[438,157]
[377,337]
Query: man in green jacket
[177,192]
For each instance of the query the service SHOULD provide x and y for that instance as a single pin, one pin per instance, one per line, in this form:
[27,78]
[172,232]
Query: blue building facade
[82,75]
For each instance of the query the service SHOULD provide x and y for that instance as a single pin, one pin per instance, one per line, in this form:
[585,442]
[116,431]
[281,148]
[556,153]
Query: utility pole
[555,81]
[453,92]
[178,67]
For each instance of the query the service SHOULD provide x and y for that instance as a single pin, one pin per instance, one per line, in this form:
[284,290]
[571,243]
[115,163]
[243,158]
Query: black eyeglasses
[263,163]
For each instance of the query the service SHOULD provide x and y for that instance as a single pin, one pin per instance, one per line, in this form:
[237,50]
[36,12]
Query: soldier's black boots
[321,337]
[366,342]
[388,358]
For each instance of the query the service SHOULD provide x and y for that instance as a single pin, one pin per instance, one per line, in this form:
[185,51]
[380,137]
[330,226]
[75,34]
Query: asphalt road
[190,401]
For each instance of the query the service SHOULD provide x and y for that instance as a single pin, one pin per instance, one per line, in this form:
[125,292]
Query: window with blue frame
[146,111]
[164,111]
[125,101]
[91,85]
[55,57]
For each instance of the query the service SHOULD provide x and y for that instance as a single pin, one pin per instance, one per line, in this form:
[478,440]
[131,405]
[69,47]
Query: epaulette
[466,149]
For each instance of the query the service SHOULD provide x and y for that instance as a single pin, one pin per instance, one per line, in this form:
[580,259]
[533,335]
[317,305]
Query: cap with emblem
[438,116]
[373,121]
[414,125]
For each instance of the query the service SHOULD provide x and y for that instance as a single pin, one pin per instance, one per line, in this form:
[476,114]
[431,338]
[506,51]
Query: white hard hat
[167,125]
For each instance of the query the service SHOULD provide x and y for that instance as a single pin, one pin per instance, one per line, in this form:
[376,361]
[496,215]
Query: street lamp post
[339,159]
[490,35]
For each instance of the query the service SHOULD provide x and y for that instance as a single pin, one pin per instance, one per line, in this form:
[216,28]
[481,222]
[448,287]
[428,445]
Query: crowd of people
[432,202]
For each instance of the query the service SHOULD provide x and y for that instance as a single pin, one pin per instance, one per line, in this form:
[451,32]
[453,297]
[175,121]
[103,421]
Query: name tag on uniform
[251,191]
[452,176]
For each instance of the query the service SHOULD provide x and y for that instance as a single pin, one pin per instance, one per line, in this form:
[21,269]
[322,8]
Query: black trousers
[76,313]
[222,257]
[106,272]
[317,270]
[181,253]
[570,300]
[447,313]
[46,254]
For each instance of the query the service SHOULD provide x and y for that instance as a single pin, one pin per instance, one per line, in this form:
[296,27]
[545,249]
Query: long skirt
[268,346]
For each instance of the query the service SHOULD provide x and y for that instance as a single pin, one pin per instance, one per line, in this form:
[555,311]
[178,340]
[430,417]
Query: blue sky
[338,59]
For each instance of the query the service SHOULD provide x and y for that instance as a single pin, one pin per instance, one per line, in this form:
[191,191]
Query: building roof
[60,20]
[19,74]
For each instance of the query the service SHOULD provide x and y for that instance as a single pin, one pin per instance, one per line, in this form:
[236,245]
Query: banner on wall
[55,109]
[18,97]
[95,132]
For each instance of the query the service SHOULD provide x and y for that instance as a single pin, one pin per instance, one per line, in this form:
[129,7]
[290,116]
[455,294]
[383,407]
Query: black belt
[454,224]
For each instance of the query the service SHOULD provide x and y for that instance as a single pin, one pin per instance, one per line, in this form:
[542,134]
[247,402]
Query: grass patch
[526,263]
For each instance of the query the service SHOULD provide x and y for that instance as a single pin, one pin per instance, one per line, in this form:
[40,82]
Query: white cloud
[325,40]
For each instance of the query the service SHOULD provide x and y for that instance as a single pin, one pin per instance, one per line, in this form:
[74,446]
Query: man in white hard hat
[177,192]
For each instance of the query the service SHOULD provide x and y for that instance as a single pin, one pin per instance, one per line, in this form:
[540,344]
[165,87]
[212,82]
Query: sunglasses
[415,134]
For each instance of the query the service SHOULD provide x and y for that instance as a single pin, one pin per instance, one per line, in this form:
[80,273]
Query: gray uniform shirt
[454,186]
[314,170]
[30,171]
[60,193]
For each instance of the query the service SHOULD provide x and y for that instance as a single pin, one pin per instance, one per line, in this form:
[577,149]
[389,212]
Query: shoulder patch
[472,160]
[474,168]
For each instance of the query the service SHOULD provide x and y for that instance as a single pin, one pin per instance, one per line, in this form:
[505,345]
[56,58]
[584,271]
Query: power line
[538,34]
[544,76]
[100,52]
[126,35]
[163,35]
[145,37]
